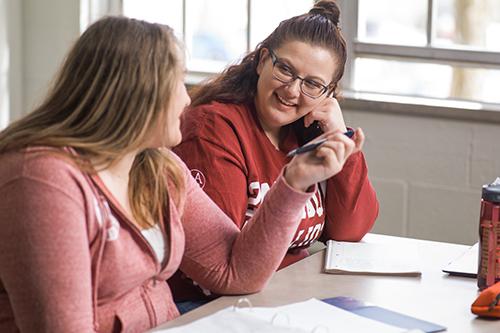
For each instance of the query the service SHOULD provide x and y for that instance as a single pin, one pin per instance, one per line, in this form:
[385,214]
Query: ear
[263,56]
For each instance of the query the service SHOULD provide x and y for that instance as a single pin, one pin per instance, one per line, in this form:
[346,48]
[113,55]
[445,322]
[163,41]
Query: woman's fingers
[333,152]
[359,139]
[319,115]
[330,163]
[325,161]
[328,114]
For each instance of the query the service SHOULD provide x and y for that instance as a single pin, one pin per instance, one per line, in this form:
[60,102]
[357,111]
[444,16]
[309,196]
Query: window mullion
[249,23]
[184,24]
[349,24]
[430,22]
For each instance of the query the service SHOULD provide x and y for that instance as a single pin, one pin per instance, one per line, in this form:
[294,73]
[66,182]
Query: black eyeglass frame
[275,59]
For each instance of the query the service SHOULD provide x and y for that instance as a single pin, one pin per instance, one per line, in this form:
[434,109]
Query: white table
[435,296]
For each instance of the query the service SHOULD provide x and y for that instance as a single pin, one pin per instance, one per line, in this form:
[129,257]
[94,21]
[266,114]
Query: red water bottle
[489,236]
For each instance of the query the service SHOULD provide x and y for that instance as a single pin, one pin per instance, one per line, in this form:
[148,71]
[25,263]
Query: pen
[311,146]
[349,133]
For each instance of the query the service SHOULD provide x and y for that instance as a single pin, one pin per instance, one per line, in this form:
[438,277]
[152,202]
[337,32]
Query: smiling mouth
[283,101]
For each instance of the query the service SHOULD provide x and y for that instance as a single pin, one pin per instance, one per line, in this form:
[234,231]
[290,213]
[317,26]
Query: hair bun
[327,9]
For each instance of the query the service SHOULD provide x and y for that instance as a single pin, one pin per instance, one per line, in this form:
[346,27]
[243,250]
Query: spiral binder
[279,321]
[311,316]
[241,301]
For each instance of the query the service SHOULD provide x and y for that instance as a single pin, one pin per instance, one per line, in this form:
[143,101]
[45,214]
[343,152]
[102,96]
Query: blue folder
[383,315]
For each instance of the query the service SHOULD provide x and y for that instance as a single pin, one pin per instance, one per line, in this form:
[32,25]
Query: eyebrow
[289,64]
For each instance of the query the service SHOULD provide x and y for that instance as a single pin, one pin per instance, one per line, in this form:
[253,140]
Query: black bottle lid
[491,192]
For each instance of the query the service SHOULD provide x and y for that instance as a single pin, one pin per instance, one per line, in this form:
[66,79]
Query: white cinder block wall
[428,172]
[39,35]
[46,39]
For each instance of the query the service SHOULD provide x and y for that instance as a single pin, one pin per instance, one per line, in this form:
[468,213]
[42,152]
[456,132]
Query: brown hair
[238,83]
[111,90]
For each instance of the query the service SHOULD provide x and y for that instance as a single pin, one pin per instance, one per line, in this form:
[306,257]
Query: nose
[293,88]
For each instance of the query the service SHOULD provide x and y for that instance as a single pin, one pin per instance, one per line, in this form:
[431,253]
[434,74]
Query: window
[220,32]
[445,49]
[424,48]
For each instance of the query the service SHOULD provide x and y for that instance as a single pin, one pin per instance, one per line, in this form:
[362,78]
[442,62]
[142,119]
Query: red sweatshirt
[235,163]
[72,261]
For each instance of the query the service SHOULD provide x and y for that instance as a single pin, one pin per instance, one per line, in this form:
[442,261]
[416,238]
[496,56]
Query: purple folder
[383,315]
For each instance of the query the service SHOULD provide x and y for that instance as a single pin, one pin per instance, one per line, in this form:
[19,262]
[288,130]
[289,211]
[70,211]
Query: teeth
[283,101]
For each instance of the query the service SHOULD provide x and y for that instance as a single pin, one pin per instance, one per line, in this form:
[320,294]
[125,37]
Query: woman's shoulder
[217,111]
[48,175]
[52,166]
[217,119]
[188,181]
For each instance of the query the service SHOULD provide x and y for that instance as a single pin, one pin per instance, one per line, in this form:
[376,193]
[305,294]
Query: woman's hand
[328,114]
[326,161]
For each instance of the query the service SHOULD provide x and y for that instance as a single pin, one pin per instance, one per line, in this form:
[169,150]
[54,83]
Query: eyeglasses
[283,73]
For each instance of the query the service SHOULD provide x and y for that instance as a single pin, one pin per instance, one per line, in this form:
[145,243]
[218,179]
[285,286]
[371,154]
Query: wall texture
[49,29]
[428,172]
[39,34]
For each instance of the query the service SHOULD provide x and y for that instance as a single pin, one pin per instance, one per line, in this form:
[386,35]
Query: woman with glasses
[242,124]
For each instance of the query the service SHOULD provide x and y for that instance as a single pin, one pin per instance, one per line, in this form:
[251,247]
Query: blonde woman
[96,211]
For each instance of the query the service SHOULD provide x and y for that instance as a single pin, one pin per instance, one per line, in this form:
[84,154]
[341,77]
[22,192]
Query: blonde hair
[114,85]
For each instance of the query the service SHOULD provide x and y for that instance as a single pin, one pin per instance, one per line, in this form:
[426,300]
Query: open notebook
[383,315]
[372,258]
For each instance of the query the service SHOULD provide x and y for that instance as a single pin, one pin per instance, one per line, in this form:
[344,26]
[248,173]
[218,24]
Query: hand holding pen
[322,159]
[313,145]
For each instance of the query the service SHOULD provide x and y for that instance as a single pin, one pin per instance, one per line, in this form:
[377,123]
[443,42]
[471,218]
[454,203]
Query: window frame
[428,53]
[195,76]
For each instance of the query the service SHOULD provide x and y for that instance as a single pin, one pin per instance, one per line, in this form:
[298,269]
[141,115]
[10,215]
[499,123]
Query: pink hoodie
[72,261]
